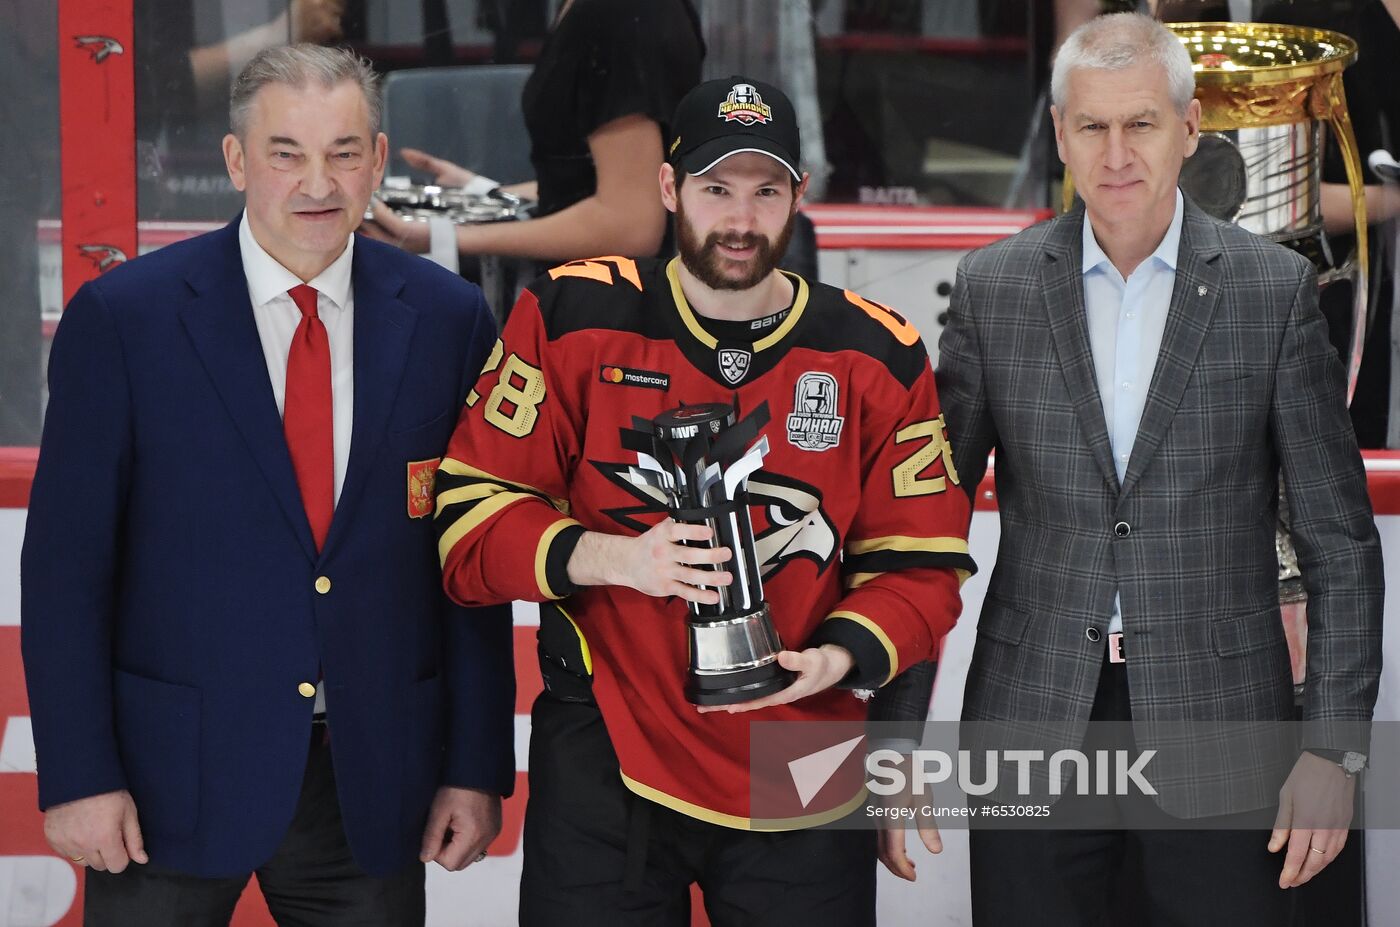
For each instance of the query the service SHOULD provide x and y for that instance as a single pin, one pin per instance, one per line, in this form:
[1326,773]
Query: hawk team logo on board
[104,257]
[100,46]
[745,105]
[421,476]
[814,424]
[734,365]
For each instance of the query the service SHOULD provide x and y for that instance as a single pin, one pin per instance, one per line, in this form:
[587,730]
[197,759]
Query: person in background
[597,107]
[1373,100]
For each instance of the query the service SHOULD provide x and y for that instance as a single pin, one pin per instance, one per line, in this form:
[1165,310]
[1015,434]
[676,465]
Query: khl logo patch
[734,364]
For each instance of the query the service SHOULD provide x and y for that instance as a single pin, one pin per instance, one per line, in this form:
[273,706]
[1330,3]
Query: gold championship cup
[1266,91]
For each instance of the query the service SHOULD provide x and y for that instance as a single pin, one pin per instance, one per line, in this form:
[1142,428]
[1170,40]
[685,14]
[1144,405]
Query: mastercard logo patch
[631,376]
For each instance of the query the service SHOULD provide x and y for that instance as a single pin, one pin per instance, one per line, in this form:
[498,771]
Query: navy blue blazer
[173,601]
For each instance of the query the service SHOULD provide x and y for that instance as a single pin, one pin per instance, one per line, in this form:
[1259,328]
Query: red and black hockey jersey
[860,525]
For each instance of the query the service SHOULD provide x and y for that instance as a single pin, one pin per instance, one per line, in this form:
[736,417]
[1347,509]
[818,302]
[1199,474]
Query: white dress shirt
[1126,320]
[277,318]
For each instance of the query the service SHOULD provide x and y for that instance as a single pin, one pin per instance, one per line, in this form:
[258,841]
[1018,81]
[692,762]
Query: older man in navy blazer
[238,652]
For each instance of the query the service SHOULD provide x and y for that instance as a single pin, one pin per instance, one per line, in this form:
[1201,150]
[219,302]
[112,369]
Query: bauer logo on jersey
[734,364]
[421,476]
[814,424]
[745,105]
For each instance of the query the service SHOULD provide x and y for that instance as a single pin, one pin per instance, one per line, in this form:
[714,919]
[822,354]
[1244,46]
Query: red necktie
[307,418]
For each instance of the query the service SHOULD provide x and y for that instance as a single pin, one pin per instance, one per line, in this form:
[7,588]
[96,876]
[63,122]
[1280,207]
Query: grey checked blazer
[1246,387]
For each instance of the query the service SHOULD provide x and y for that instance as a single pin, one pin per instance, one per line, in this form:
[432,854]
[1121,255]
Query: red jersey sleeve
[504,530]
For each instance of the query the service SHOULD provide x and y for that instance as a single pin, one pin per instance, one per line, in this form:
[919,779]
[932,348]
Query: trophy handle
[1329,102]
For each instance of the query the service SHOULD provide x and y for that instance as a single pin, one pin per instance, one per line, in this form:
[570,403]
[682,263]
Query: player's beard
[706,264]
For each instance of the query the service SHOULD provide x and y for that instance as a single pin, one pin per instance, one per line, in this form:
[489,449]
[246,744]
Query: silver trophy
[421,202]
[500,277]
[700,459]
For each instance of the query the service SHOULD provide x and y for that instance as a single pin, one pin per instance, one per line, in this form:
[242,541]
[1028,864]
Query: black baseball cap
[720,118]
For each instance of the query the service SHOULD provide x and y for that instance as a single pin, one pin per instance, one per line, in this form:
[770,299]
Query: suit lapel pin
[1200,291]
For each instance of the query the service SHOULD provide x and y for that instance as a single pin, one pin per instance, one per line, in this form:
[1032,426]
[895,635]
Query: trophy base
[737,687]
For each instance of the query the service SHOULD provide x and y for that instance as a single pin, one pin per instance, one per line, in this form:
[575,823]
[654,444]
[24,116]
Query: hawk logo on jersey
[788,519]
[734,364]
[798,526]
[814,424]
[745,105]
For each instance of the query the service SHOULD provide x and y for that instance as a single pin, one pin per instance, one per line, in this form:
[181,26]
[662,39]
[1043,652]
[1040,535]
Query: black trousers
[311,881]
[596,855]
[1146,874]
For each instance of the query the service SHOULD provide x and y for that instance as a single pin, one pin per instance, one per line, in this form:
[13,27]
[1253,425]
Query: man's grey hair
[298,66]
[1120,41]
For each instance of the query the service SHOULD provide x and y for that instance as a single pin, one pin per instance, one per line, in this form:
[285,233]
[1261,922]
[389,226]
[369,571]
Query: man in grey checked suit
[1145,374]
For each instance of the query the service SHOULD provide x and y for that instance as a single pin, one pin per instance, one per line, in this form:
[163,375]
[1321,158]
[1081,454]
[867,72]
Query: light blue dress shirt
[1126,319]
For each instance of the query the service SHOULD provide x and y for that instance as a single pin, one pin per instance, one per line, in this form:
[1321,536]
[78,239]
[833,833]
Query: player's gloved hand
[656,563]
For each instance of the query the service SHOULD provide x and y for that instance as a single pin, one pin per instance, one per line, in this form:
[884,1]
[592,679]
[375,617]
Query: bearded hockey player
[635,794]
